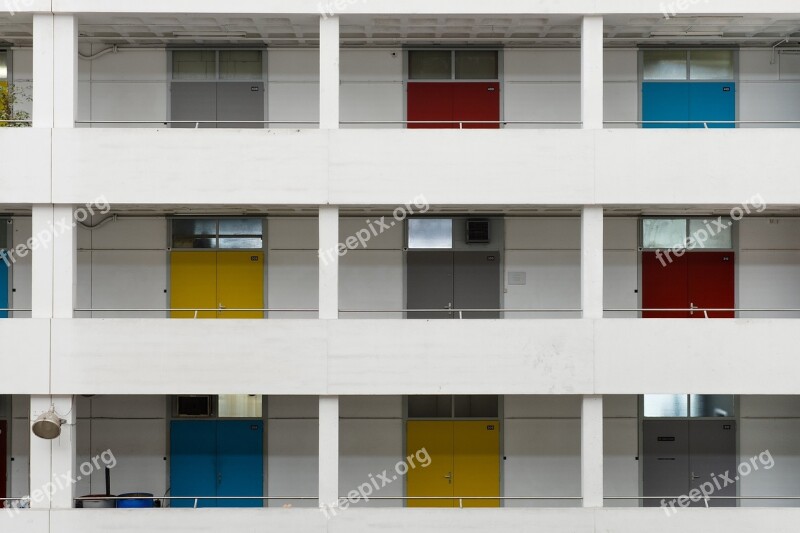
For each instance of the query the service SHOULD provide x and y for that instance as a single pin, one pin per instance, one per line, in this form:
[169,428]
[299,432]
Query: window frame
[453,51]
[217,77]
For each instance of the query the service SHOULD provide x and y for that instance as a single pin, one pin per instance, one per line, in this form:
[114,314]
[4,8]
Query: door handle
[449,478]
[219,479]
[694,476]
[222,306]
[449,306]
[692,307]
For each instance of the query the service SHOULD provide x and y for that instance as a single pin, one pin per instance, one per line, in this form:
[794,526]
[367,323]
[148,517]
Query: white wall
[769,266]
[767,90]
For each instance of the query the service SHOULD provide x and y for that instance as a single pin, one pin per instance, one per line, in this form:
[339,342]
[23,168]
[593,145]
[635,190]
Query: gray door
[240,101]
[680,455]
[476,282]
[429,282]
[665,447]
[712,451]
[193,102]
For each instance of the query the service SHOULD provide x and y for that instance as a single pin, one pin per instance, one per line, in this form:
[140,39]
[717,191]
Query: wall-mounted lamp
[48,425]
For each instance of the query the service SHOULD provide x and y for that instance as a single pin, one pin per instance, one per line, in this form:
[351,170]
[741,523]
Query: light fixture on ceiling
[48,425]
[210,33]
[686,34]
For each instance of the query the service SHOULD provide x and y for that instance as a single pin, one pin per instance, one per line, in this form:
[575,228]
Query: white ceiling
[159,30]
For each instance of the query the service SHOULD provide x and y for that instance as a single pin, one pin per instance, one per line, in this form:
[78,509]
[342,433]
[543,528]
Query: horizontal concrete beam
[375,357]
[446,167]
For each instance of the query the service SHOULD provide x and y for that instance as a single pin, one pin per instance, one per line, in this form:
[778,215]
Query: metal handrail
[701,122]
[455,310]
[167,122]
[707,497]
[698,309]
[16,309]
[462,122]
[195,310]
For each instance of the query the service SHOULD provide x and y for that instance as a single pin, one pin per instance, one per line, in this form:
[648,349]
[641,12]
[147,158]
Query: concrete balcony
[421,520]
[379,357]
[25,357]
[392,167]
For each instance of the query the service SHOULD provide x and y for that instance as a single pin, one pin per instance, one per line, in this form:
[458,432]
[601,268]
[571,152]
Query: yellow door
[193,283]
[476,461]
[437,478]
[240,284]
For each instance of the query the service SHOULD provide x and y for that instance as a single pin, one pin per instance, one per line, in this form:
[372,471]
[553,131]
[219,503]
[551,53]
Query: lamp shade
[47,425]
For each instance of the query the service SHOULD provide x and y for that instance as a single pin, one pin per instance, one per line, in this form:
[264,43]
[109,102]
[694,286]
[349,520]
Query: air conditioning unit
[478,231]
[194,406]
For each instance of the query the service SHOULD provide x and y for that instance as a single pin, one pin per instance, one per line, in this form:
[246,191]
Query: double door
[689,101]
[217,458]
[219,281]
[441,280]
[464,461]
[695,280]
[681,455]
[454,101]
[228,103]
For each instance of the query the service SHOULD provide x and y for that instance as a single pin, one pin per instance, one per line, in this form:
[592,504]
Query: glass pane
[665,405]
[430,65]
[476,65]
[194,65]
[430,233]
[476,406]
[240,226]
[240,65]
[707,233]
[665,65]
[245,243]
[708,405]
[194,233]
[429,407]
[4,226]
[663,233]
[3,66]
[240,405]
[711,65]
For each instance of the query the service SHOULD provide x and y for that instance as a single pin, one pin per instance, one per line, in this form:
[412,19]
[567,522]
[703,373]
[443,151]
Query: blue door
[690,101]
[240,467]
[217,458]
[665,101]
[4,274]
[712,101]
[193,461]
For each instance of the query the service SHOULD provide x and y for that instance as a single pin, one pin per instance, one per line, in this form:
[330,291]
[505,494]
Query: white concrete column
[55,70]
[592,451]
[329,72]
[328,451]
[592,72]
[53,473]
[54,252]
[592,261]
[328,262]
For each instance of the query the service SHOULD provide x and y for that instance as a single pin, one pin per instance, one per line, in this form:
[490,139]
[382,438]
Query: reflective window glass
[666,405]
[430,65]
[663,233]
[430,233]
[430,406]
[706,233]
[476,65]
[711,65]
[194,65]
[709,405]
[3,66]
[665,64]
[240,406]
[240,65]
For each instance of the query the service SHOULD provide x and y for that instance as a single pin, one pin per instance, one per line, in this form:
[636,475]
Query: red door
[665,285]
[454,102]
[704,280]
[3,462]
[477,101]
[711,283]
